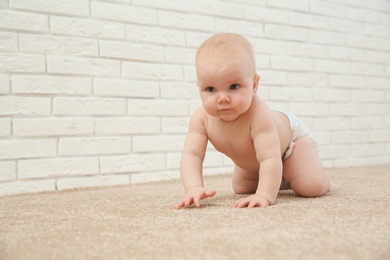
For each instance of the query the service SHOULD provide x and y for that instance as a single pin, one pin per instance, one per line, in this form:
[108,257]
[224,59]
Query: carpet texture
[137,222]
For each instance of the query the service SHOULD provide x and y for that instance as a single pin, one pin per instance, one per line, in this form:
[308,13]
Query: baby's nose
[222,99]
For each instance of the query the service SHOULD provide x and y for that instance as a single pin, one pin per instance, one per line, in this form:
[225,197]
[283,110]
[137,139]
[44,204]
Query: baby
[269,148]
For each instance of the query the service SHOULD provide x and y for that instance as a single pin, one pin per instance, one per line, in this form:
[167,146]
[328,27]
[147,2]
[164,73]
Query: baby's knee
[244,188]
[313,188]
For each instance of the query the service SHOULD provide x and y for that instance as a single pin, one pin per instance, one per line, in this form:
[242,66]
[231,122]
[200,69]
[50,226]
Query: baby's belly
[243,159]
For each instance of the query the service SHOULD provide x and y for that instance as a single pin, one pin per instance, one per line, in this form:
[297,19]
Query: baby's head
[226,75]
[223,47]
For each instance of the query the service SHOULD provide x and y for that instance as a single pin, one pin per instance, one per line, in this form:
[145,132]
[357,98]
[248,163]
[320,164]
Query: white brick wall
[97,92]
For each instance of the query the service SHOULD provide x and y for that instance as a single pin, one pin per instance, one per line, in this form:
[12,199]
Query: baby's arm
[192,162]
[267,146]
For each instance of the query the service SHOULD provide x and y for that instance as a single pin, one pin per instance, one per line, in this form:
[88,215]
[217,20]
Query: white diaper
[300,130]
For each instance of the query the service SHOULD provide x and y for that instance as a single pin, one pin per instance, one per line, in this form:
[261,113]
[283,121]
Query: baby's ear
[256,80]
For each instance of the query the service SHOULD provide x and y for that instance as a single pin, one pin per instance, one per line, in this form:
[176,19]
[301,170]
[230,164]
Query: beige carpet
[136,222]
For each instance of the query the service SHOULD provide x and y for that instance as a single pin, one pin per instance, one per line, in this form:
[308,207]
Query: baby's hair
[226,44]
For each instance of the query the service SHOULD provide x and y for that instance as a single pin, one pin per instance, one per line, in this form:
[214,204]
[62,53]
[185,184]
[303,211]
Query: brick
[378,57]
[153,107]
[366,150]
[123,13]
[14,105]
[243,27]
[62,167]
[269,46]
[365,42]
[24,63]
[52,126]
[22,21]
[138,70]
[92,181]
[364,15]
[307,50]
[83,66]
[175,125]
[290,94]
[351,162]
[71,7]
[5,127]
[335,151]
[173,160]
[250,2]
[273,77]
[216,8]
[37,148]
[154,176]
[32,43]
[291,63]
[332,66]
[157,35]
[344,25]
[213,159]
[365,122]
[368,96]
[263,61]
[26,187]
[180,55]
[346,81]
[369,69]
[331,95]
[33,84]
[195,39]
[87,27]
[4,84]
[322,138]
[310,108]
[314,80]
[328,9]
[157,143]
[126,88]
[327,37]
[377,30]
[132,163]
[4,4]
[179,90]
[8,42]
[266,14]
[379,136]
[131,51]
[308,20]
[94,145]
[346,53]
[299,5]
[347,109]
[7,171]
[89,106]
[285,32]
[190,74]
[127,126]
[185,20]
[349,137]
[184,5]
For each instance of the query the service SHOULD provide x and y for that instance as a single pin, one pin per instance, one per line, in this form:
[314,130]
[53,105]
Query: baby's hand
[251,202]
[195,195]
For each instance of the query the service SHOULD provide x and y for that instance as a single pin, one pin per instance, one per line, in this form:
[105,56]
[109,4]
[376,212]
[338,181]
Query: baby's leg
[244,182]
[303,169]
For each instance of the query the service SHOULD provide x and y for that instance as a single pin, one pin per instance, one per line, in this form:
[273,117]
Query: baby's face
[227,85]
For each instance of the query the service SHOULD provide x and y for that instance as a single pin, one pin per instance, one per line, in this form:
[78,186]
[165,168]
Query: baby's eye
[210,89]
[234,86]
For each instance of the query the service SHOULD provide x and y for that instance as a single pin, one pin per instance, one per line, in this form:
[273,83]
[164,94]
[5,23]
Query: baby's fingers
[240,203]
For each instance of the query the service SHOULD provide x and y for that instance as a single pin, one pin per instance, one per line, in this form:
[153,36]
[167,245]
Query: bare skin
[240,125]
